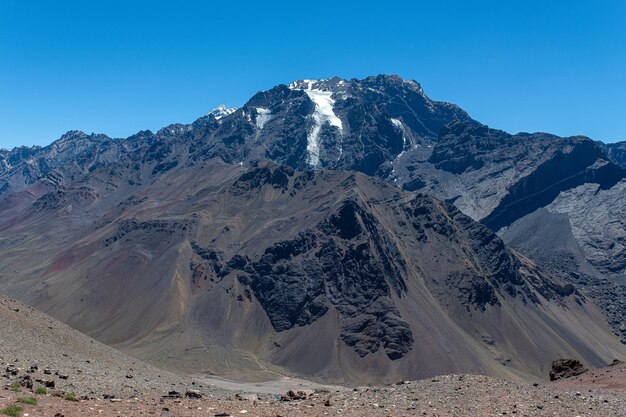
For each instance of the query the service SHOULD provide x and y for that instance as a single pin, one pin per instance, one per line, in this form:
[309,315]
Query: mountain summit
[221,111]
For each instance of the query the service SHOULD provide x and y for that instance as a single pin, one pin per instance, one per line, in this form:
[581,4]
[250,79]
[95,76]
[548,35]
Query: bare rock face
[616,152]
[347,264]
[566,368]
[538,188]
[537,167]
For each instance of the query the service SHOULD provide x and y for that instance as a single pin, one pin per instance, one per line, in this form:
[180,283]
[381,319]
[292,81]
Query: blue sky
[117,67]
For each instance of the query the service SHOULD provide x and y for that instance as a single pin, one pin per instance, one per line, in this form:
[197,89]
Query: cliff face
[615,151]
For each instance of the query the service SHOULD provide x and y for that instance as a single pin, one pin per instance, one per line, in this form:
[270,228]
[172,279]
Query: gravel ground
[451,395]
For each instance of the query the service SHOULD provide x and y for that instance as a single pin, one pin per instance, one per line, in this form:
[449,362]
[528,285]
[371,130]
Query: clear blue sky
[118,67]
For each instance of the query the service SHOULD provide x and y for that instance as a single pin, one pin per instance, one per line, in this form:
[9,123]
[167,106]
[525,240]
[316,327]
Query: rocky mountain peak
[323,84]
[72,134]
[221,111]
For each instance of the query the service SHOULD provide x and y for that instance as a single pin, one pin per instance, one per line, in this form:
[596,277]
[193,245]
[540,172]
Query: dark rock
[294,396]
[296,280]
[46,383]
[192,393]
[173,394]
[26,381]
[566,368]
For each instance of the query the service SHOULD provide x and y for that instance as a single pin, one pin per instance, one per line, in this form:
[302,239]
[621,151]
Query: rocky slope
[616,151]
[37,351]
[245,271]
[534,189]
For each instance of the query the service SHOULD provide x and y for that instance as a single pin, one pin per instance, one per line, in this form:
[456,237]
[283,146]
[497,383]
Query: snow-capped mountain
[221,111]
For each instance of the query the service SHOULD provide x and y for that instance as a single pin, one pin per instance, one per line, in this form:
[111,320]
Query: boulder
[566,368]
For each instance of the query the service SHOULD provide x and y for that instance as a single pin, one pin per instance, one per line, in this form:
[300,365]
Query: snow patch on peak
[221,111]
[400,126]
[322,114]
[305,84]
[263,115]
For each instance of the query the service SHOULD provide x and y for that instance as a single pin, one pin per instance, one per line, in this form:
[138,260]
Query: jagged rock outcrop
[566,368]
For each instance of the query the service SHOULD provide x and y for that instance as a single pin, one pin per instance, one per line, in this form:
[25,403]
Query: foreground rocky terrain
[450,395]
[38,351]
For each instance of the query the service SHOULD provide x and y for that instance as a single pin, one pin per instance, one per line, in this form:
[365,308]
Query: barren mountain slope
[534,189]
[33,343]
[254,271]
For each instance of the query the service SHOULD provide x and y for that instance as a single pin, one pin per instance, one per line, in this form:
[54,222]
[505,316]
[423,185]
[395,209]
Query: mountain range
[345,230]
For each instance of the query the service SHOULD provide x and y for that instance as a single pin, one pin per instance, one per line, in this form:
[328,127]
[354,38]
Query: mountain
[358,247]
[222,111]
[246,271]
[616,152]
[357,125]
[539,188]
[387,127]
